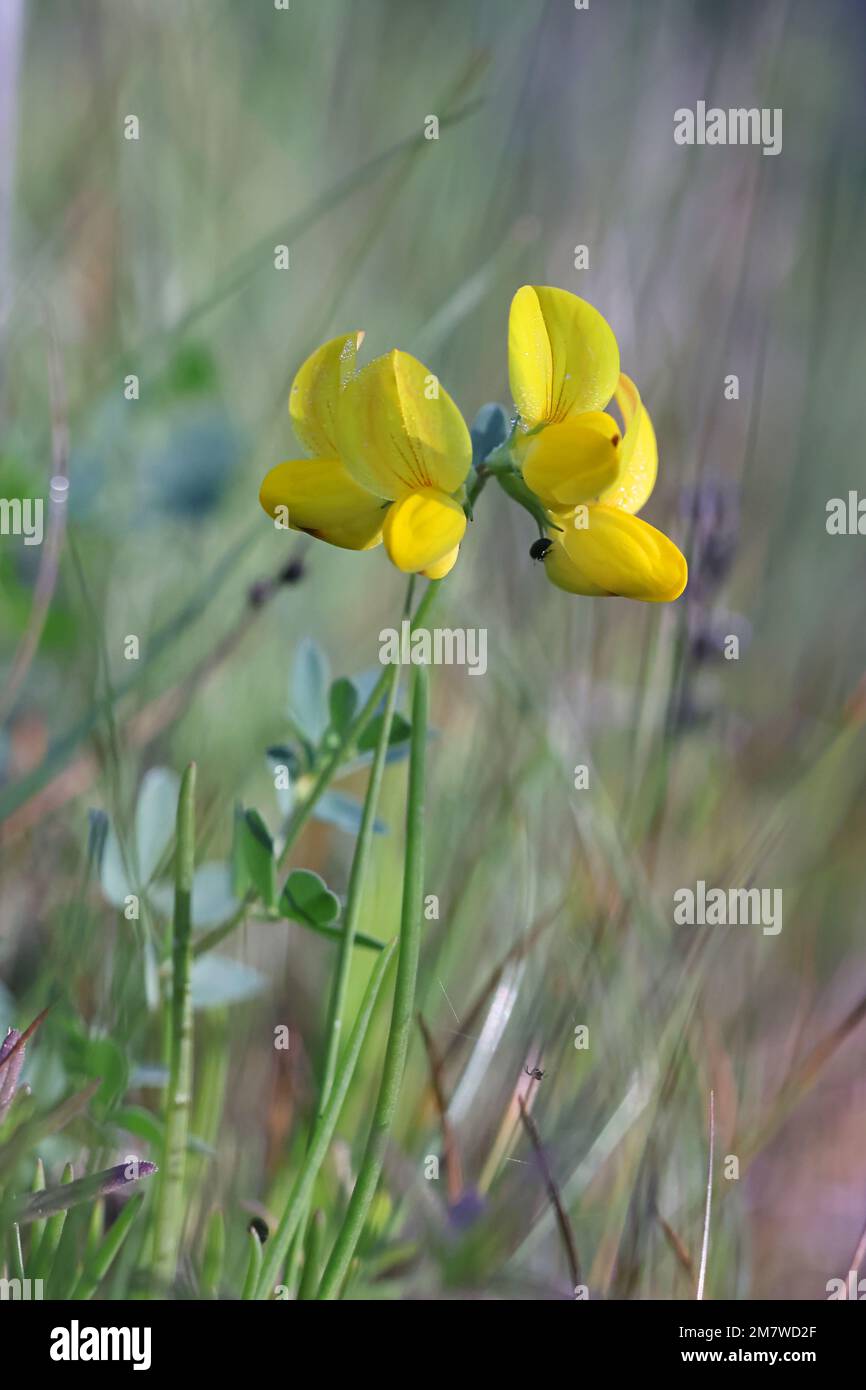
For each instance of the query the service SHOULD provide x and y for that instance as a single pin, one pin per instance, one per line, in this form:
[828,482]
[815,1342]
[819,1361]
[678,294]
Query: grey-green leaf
[154,819]
[345,812]
[308,701]
[489,429]
[218,981]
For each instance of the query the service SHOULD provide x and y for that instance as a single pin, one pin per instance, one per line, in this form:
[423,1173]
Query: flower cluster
[390,455]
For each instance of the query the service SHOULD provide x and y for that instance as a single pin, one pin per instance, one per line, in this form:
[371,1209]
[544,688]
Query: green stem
[254,1267]
[312,1258]
[513,485]
[297,821]
[402,1012]
[170,1206]
[390,680]
[357,879]
[305,807]
[499,463]
[299,1197]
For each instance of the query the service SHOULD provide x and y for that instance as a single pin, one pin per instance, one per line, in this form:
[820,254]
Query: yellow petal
[422,530]
[563,357]
[574,461]
[321,498]
[315,390]
[398,430]
[442,567]
[639,456]
[616,553]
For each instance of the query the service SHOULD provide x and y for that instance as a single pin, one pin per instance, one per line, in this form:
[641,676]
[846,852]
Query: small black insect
[260,1227]
[534,1072]
[539,548]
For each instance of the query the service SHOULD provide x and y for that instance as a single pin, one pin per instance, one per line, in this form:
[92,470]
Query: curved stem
[402,1012]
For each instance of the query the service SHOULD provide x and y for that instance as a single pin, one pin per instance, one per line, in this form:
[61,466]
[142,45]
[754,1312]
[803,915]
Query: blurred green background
[155,257]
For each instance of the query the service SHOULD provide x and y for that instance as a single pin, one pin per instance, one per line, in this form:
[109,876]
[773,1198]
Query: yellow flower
[591,475]
[390,451]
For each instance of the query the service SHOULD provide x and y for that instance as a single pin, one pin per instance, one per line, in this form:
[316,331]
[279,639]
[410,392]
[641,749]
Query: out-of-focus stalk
[170,1205]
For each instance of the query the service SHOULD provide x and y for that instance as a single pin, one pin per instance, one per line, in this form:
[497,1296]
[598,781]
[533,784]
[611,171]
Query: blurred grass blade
[61,750]
[38,1226]
[170,1205]
[254,1266]
[214,1255]
[42,1261]
[312,1257]
[40,1126]
[99,1262]
[705,1243]
[562,1219]
[278,1245]
[16,1253]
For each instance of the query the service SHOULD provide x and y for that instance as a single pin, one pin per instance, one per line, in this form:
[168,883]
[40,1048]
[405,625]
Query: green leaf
[102,1058]
[342,702]
[308,700]
[253,867]
[140,1122]
[400,732]
[306,898]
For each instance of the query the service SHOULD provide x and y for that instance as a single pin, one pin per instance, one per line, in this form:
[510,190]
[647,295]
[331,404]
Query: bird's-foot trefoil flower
[390,455]
[318,494]
[591,474]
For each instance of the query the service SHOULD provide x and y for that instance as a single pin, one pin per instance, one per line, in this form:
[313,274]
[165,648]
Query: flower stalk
[402,1012]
